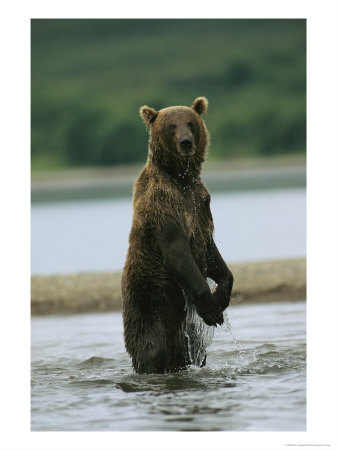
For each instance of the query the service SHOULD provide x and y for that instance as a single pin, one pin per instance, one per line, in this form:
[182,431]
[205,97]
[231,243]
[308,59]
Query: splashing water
[199,336]
[241,352]
[243,355]
[236,342]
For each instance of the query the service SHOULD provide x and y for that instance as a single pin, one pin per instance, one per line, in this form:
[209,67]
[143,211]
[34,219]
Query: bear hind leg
[150,359]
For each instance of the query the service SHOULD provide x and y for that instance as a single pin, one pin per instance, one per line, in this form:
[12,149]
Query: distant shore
[228,175]
[255,282]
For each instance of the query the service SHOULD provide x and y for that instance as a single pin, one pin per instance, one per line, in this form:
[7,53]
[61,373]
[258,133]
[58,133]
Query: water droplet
[229,328]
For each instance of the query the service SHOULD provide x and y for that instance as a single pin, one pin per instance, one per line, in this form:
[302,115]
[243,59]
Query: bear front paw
[222,298]
[210,311]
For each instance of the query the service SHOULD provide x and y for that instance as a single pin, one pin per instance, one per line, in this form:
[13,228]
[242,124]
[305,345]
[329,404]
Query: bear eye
[172,127]
[190,125]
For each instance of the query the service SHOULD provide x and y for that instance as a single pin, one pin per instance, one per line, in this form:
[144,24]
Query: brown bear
[172,252]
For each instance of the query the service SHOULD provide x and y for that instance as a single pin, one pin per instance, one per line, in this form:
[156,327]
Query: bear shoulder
[156,197]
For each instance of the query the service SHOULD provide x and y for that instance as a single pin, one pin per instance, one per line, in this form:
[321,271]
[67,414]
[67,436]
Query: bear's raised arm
[219,272]
[180,263]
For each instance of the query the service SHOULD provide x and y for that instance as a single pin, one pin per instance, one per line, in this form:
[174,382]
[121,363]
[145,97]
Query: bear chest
[196,217]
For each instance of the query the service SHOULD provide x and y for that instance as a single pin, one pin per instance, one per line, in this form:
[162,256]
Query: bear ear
[148,114]
[200,105]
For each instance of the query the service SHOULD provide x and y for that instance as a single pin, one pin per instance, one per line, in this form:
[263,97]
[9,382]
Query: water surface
[92,235]
[82,379]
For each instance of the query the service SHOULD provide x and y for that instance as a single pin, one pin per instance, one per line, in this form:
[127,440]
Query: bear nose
[186,144]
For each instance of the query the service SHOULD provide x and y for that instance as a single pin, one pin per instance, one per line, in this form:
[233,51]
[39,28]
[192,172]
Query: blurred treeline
[89,78]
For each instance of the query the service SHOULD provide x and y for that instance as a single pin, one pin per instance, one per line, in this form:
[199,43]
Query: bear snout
[186,146]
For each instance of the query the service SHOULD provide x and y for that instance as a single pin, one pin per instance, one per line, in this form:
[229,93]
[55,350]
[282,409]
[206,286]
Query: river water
[82,236]
[82,379]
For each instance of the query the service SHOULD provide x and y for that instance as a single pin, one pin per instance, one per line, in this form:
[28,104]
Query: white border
[15,229]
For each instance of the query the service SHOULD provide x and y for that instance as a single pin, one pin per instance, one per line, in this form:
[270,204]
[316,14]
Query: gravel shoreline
[254,282]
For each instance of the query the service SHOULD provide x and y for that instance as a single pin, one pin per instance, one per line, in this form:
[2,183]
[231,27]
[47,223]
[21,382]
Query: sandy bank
[255,282]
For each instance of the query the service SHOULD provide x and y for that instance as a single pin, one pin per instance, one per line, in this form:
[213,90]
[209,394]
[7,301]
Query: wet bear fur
[171,248]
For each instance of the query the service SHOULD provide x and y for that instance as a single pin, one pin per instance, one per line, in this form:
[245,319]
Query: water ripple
[258,385]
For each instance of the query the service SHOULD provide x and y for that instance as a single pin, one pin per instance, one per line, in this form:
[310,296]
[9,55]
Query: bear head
[177,134]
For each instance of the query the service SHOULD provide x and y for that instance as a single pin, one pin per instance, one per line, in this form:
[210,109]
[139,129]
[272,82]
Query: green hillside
[89,78]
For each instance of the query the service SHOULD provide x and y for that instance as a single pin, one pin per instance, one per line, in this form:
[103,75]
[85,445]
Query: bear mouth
[187,153]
